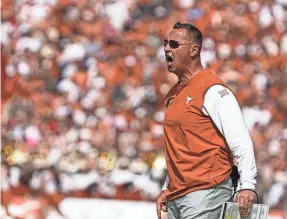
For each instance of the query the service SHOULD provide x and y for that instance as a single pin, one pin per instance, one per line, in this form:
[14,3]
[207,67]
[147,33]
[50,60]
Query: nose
[167,48]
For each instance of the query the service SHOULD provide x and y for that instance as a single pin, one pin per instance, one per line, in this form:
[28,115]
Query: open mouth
[169,59]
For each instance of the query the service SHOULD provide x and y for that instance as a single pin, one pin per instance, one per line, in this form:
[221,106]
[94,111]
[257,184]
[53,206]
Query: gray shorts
[202,204]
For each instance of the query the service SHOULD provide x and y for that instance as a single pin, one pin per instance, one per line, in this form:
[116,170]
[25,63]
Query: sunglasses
[173,43]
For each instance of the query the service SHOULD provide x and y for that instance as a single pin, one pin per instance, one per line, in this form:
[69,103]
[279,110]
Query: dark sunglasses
[173,43]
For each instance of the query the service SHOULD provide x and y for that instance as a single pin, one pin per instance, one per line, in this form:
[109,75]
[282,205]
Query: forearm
[241,146]
[244,157]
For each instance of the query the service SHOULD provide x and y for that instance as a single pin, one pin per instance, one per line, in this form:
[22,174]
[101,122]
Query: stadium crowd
[83,87]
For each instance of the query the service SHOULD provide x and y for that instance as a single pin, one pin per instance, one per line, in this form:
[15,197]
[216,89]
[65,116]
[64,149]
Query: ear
[194,51]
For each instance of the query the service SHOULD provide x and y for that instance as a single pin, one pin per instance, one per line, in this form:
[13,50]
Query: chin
[171,69]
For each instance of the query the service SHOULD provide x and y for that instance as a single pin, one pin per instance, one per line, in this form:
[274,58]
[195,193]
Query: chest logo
[188,99]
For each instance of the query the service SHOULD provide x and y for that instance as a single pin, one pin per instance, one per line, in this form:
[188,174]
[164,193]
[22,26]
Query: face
[177,50]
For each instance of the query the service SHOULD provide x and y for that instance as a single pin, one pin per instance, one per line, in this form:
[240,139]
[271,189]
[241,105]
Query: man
[204,131]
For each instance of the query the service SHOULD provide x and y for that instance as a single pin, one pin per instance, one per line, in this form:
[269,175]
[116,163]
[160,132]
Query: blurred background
[83,87]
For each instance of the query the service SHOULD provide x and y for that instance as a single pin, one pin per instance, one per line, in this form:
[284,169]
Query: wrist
[246,185]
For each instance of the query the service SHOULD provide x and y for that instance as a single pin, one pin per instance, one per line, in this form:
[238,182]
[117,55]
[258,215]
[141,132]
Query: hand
[161,205]
[245,198]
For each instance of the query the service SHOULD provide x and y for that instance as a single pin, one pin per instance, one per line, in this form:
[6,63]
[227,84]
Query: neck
[193,69]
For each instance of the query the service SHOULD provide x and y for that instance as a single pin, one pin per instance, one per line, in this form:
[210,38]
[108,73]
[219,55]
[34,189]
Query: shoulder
[218,89]
[219,92]
[207,79]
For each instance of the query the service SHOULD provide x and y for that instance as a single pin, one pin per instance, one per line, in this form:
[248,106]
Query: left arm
[225,112]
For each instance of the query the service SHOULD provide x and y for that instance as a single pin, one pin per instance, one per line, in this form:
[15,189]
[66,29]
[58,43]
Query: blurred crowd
[83,88]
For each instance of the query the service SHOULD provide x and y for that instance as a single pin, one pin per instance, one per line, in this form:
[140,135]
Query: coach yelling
[204,133]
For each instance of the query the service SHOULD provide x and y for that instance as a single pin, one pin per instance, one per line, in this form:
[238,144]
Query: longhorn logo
[188,99]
